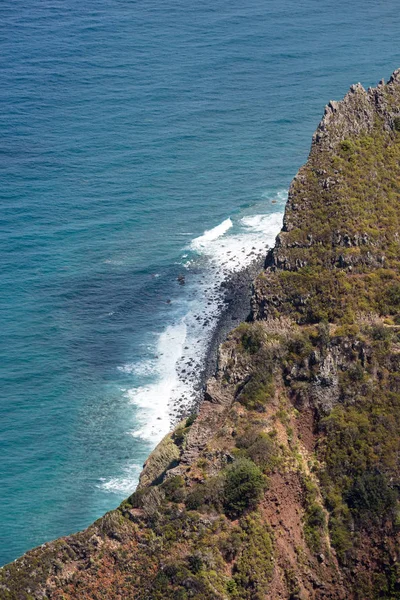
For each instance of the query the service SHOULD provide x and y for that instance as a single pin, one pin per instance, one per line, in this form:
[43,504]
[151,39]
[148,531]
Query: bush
[257,391]
[174,488]
[347,146]
[260,448]
[229,546]
[252,340]
[341,537]
[180,433]
[209,494]
[323,335]
[190,420]
[264,452]
[254,566]
[195,562]
[380,333]
[370,496]
[299,347]
[248,437]
[243,487]
[356,372]
[393,297]
[315,515]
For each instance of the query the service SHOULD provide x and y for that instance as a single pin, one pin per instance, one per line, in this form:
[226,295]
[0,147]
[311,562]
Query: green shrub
[371,497]
[257,391]
[347,146]
[230,545]
[340,536]
[380,333]
[243,487]
[137,499]
[207,495]
[190,420]
[356,372]
[393,297]
[180,433]
[174,489]
[298,347]
[248,437]
[252,339]
[231,587]
[323,335]
[253,569]
[315,515]
[195,562]
[260,447]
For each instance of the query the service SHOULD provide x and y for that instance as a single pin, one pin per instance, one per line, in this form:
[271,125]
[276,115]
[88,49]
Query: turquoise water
[128,130]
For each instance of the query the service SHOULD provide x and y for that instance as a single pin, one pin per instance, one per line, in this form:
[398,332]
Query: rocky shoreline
[236,292]
[286,484]
[237,295]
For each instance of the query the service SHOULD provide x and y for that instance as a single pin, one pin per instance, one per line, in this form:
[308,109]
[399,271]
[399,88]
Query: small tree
[244,484]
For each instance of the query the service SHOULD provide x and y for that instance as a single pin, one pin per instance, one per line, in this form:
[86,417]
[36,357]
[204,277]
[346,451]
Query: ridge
[286,483]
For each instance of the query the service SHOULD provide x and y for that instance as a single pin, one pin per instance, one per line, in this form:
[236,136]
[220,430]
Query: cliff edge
[286,484]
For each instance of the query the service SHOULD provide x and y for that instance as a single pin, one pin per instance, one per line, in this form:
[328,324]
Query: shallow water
[140,141]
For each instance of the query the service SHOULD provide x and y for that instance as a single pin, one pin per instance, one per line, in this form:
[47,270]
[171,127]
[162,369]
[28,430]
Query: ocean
[143,144]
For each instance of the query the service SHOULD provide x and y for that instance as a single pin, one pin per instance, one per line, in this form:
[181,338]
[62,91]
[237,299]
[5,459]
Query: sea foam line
[174,375]
[212,234]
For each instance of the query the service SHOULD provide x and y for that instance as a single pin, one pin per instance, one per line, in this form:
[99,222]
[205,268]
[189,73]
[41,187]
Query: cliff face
[286,483]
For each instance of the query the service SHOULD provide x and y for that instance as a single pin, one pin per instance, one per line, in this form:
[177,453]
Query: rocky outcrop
[164,457]
[342,209]
[355,114]
[285,484]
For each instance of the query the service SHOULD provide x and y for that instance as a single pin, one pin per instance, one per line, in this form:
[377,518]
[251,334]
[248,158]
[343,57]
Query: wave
[231,253]
[153,400]
[170,380]
[212,234]
[124,484]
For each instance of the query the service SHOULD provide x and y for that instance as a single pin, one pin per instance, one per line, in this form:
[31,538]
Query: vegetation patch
[259,447]
[243,487]
[254,565]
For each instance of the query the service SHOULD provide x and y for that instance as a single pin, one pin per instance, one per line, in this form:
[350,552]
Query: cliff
[286,484]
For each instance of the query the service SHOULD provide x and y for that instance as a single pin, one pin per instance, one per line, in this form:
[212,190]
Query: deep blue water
[128,128]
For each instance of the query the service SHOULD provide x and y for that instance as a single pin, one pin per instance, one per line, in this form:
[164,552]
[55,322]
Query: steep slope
[286,483]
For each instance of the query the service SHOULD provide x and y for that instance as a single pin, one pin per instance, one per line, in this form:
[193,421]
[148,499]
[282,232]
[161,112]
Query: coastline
[237,295]
[216,274]
[245,498]
[236,292]
[234,263]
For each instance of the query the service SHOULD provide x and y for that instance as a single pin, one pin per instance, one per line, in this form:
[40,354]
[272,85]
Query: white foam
[262,223]
[212,234]
[154,399]
[173,371]
[234,252]
[181,347]
[142,369]
[125,484]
